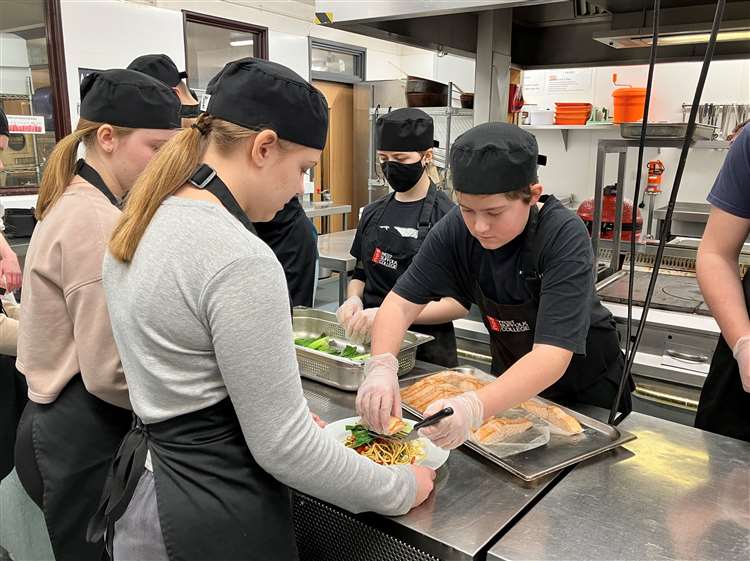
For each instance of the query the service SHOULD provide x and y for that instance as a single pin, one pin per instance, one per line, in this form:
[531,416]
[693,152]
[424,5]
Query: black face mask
[402,177]
[190,111]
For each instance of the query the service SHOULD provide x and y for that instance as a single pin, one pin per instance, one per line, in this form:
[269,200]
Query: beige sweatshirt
[64,327]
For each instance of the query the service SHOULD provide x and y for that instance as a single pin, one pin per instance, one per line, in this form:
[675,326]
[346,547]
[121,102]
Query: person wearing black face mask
[392,230]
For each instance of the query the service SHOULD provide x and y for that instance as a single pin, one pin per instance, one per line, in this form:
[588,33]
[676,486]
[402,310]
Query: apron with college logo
[592,378]
[386,256]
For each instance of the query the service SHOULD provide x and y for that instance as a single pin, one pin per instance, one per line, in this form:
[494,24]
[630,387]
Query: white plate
[434,456]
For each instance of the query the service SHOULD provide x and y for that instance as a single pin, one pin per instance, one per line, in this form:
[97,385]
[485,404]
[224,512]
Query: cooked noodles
[390,452]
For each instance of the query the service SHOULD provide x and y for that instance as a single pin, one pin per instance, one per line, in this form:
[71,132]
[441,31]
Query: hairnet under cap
[405,130]
[4,129]
[256,93]
[494,158]
[160,67]
[126,98]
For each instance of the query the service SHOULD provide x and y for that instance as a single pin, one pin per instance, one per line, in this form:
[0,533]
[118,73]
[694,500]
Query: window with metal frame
[211,42]
[337,62]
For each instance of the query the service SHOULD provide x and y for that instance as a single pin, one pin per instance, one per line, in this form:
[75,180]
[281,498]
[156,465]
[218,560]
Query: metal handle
[686,356]
[432,419]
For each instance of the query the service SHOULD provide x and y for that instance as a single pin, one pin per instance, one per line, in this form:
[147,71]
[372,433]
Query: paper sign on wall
[568,80]
[26,124]
[533,82]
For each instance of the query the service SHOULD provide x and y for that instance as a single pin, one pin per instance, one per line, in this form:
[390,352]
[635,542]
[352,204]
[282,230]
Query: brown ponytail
[165,174]
[60,168]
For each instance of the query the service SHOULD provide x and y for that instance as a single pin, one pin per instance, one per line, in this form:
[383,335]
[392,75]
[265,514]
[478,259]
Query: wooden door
[336,165]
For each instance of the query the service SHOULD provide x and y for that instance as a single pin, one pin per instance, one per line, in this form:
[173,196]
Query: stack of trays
[572,113]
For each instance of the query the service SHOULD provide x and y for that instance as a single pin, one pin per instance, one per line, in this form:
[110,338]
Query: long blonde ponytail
[165,174]
[60,168]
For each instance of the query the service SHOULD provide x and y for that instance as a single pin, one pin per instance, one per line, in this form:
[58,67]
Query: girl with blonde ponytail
[79,407]
[200,314]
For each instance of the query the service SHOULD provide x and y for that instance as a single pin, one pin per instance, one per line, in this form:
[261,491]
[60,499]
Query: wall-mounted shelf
[565,129]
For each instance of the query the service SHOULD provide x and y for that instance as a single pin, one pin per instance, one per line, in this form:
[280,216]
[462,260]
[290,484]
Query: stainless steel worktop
[473,500]
[333,252]
[318,209]
[686,212]
[674,493]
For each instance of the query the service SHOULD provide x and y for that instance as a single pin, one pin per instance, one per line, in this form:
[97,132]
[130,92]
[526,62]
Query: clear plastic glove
[359,328]
[378,397]
[453,431]
[742,356]
[348,310]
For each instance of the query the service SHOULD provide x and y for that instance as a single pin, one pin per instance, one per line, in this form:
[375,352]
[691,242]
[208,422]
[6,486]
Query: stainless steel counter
[473,500]
[324,210]
[333,250]
[674,493]
[689,219]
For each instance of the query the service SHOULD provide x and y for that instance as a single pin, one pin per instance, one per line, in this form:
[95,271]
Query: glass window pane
[324,60]
[209,48]
[26,93]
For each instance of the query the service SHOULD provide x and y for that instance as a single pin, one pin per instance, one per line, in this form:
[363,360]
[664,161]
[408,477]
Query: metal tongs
[413,434]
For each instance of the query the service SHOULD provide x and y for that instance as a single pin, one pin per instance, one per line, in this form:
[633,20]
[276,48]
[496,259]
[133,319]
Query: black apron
[724,406]
[214,500]
[292,237]
[592,378]
[13,398]
[386,256]
[63,450]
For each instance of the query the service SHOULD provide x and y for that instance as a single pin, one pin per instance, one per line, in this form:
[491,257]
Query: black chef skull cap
[254,93]
[127,98]
[159,66]
[405,130]
[494,158]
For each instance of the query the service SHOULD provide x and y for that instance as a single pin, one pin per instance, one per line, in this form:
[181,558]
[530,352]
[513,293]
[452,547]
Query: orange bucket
[629,104]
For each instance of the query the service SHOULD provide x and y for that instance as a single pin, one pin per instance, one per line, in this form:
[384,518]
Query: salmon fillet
[553,415]
[497,430]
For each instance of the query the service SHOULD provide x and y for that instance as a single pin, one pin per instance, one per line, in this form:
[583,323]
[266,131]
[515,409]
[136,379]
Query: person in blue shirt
[724,406]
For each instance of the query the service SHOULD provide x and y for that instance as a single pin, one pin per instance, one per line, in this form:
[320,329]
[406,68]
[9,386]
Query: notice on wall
[26,124]
[568,80]
[533,82]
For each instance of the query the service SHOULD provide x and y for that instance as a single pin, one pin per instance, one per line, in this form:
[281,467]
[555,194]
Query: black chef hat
[160,67]
[405,130]
[126,98]
[257,93]
[494,158]
[4,129]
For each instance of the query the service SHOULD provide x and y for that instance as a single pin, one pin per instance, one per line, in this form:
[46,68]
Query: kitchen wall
[572,172]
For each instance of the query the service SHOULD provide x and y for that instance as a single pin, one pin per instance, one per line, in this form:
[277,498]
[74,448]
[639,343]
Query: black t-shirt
[291,236]
[401,217]
[451,260]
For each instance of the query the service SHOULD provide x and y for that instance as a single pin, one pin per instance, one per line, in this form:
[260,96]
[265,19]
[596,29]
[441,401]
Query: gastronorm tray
[666,131]
[335,371]
[560,452]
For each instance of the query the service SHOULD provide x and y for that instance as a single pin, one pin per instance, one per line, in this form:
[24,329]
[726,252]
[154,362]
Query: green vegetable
[323,344]
[361,435]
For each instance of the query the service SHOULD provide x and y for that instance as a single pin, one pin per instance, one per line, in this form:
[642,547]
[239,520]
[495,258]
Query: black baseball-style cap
[256,93]
[494,158]
[405,130]
[126,98]
[4,129]
[158,66]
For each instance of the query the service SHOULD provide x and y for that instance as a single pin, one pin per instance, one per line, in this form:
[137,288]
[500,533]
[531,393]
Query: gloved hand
[451,432]
[348,310]
[359,327]
[742,356]
[378,397]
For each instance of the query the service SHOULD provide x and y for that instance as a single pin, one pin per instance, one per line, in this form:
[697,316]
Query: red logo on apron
[494,324]
[377,254]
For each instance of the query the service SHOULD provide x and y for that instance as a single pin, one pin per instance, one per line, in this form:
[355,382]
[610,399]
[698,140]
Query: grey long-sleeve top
[202,313]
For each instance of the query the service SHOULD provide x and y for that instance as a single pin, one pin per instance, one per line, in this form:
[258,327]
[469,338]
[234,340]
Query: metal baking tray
[559,452]
[666,131]
[335,371]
